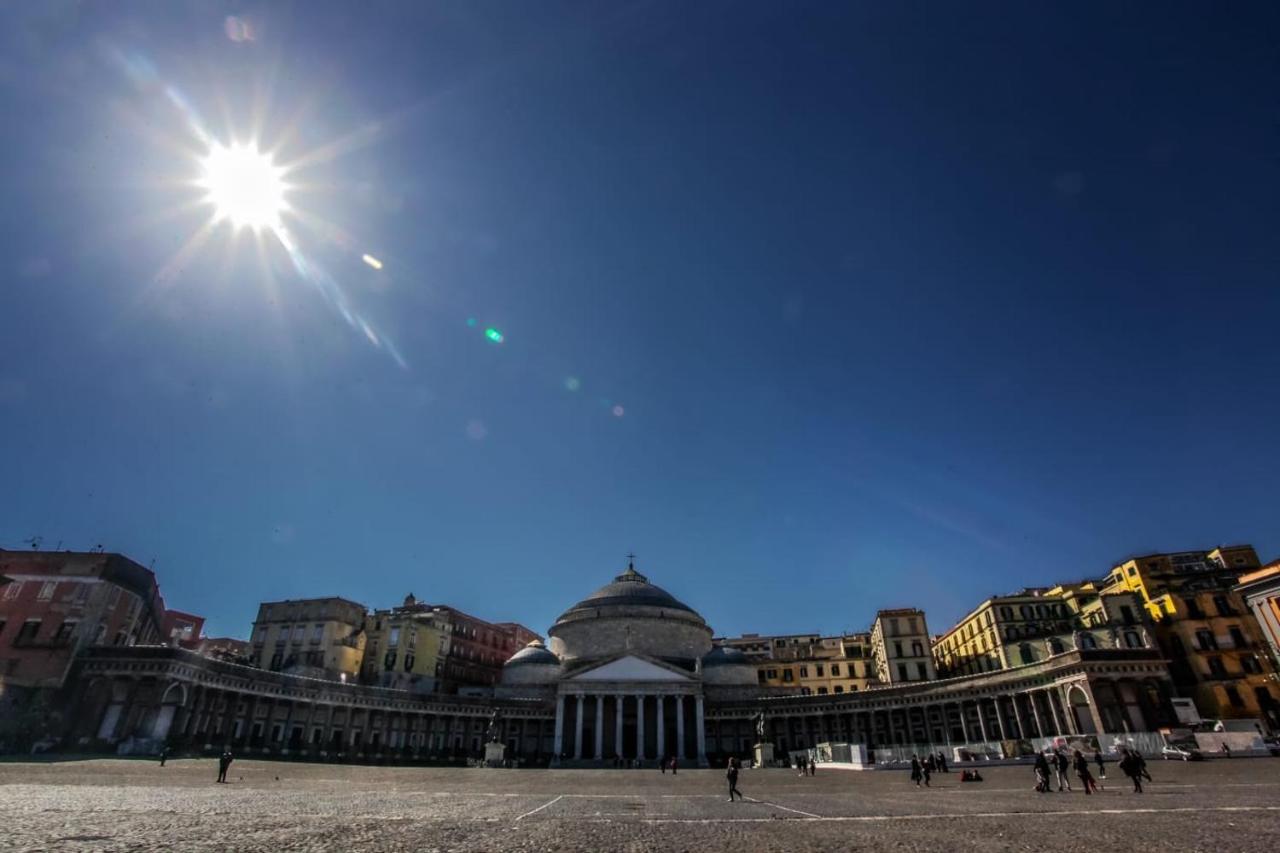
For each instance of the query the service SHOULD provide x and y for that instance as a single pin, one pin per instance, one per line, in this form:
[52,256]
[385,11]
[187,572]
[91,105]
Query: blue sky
[902,304]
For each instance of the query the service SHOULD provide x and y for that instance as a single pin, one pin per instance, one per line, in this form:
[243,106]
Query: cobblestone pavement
[1219,806]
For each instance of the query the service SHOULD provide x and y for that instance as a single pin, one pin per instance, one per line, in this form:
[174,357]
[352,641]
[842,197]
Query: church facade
[628,676]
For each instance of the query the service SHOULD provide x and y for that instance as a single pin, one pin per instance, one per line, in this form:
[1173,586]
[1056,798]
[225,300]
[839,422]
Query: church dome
[629,589]
[630,615]
[534,653]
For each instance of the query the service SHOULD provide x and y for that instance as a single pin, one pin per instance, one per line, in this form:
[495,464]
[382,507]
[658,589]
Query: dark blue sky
[903,304]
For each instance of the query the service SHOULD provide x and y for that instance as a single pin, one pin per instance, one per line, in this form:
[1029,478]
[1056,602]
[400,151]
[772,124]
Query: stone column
[700,732]
[559,737]
[640,726]
[1000,720]
[599,727]
[1035,713]
[662,739]
[946,724]
[577,737]
[1053,712]
[680,725]
[1017,717]
[617,724]
[982,722]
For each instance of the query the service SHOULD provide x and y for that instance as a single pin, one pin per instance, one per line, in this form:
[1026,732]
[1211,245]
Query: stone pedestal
[764,755]
[495,754]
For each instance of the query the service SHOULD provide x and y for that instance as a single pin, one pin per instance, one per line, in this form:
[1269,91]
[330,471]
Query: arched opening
[1078,702]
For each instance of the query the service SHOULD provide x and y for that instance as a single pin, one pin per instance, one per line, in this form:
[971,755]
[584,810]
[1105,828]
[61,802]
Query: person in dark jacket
[224,762]
[1102,768]
[164,754]
[1042,773]
[942,763]
[1131,767]
[731,772]
[1082,770]
[1061,765]
[917,770]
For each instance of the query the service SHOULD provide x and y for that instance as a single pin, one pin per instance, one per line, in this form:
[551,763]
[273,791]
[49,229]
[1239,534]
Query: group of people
[1056,764]
[807,766]
[922,770]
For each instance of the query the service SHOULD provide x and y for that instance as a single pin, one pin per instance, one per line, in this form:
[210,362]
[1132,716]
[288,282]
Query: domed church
[630,668]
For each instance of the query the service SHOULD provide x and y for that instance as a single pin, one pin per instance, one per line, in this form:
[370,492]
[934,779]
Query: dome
[534,653]
[630,616]
[629,589]
[724,656]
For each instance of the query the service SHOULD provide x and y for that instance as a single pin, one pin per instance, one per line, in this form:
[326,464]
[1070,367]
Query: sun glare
[244,185]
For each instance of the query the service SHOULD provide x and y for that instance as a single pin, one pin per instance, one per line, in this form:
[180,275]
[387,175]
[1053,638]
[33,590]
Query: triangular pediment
[630,668]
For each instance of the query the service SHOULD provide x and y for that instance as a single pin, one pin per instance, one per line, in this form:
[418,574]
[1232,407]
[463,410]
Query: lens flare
[494,335]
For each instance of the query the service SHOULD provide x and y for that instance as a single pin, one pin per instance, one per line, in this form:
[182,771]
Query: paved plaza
[1219,806]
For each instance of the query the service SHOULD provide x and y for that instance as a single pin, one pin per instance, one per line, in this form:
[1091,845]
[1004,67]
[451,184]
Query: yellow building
[1214,643]
[811,663]
[1030,626]
[900,646]
[406,647]
[316,637]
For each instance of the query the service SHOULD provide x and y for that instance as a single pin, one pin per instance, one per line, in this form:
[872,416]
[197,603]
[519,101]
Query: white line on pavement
[887,817]
[541,807]
[784,808]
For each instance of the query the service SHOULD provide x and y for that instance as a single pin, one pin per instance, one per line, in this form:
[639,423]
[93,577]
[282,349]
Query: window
[1055,646]
[788,675]
[1126,614]
[911,625]
[1237,637]
[65,630]
[276,660]
[408,662]
[1132,640]
[317,633]
[917,650]
[902,672]
[1205,641]
[1233,696]
[1223,606]
[100,634]
[11,591]
[79,593]
[897,649]
[1250,664]
[27,633]
[804,672]
[1025,653]
[298,632]
[818,668]
[46,590]
[1216,668]
[839,689]
[2,626]
[1088,642]
[822,691]
[922,671]
[395,637]
[1193,609]
[835,669]
[772,673]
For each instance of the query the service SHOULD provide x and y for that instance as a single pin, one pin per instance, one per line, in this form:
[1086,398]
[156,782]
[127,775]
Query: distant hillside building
[316,637]
[900,645]
[810,663]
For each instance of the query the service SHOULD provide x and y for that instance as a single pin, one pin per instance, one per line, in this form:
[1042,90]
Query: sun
[244,185]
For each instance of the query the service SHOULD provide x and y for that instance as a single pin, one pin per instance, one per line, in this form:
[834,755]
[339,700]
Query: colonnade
[629,726]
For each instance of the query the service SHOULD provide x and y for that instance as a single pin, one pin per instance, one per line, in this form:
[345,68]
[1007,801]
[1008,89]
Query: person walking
[1082,770]
[800,763]
[1061,765]
[1102,768]
[662,765]
[942,763]
[731,772]
[1142,765]
[813,764]
[926,770]
[675,765]
[1130,767]
[1042,773]
[164,754]
[224,761]
[917,770]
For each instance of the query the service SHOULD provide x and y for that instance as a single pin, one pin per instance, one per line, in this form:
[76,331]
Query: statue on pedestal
[493,734]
